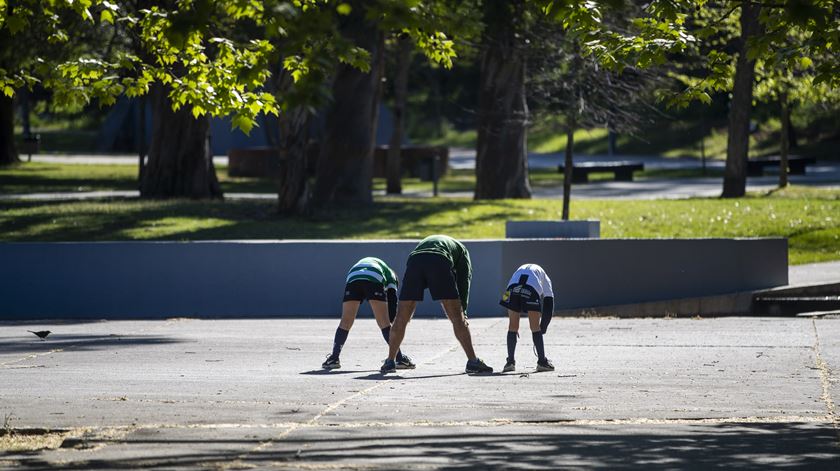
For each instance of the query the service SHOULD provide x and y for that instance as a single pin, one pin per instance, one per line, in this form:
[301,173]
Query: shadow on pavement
[727,446]
[320,372]
[379,376]
[82,342]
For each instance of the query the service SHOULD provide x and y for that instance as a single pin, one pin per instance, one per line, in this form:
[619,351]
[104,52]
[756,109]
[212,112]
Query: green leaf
[244,123]
[344,9]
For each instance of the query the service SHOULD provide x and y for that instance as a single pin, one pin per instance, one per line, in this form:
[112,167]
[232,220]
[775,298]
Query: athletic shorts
[428,270]
[521,298]
[360,290]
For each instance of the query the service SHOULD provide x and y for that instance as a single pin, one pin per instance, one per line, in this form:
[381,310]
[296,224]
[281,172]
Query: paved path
[814,273]
[826,174]
[735,393]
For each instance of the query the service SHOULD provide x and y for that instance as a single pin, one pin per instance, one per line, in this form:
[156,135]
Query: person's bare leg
[380,313]
[513,325]
[453,310]
[404,313]
[349,309]
[534,320]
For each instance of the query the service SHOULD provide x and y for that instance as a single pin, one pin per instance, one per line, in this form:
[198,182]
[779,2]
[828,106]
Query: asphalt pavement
[735,393]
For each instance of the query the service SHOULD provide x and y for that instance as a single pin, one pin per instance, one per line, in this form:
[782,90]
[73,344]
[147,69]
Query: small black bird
[42,334]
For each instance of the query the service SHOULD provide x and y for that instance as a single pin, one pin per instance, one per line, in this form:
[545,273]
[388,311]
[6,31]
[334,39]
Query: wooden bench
[416,161]
[622,171]
[254,161]
[796,164]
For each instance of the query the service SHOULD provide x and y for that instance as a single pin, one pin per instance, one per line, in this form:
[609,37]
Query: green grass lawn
[808,217]
[37,177]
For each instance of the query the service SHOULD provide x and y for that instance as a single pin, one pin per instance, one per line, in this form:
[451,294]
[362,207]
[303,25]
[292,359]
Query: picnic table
[796,164]
[622,171]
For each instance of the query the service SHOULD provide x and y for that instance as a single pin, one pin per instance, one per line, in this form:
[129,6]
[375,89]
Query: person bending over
[441,264]
[370,278]
[529,291]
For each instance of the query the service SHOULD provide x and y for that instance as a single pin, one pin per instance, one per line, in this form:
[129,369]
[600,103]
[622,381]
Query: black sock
[511,344]
[340,338]
[538,343]
[386,334]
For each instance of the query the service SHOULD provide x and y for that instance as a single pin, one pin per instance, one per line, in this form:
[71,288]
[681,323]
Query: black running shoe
[331,363]
[544,365]
[477,367]
[404,362]
[509,366]
[390,366]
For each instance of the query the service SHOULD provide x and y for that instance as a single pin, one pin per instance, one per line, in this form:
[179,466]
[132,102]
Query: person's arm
[463,276]
[391,295]
[547,313]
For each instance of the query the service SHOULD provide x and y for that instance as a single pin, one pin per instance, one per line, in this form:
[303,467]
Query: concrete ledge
[588,229]
[733,304]
[305,278]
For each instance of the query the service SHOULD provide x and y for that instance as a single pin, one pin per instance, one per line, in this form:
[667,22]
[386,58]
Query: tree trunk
[141,139]
[437,101]
[784,141]
[8,150]
[180,163]
[345,161]
[568,168]
[738,142]
[25,109]
[392,167]
[792,141]
[501,156]
[293,186]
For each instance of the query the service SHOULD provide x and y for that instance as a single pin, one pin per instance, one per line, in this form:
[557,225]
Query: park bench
[254,161]
[796,164]
[417,161]
[622,171]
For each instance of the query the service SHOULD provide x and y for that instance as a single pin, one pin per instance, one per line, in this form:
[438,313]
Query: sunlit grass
[39,177]
[549,139]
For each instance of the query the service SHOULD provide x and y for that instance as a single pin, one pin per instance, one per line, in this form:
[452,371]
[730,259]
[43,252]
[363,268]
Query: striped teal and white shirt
[375,270]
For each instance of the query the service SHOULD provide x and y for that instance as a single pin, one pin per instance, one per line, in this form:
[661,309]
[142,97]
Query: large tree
[351,36]
[345,161]
[501,155]
[180,159]
[563,83]
[736,35]
[203,53]
[501,165]
[738,140]
[34,36]
[393,167]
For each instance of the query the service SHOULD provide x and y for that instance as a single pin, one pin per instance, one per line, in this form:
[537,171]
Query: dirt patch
[31,439]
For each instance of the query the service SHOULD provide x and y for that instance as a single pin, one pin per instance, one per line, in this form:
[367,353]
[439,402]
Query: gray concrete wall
[305,278]
[578,229]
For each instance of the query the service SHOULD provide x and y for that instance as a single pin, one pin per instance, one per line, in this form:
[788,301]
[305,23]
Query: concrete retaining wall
[305,278]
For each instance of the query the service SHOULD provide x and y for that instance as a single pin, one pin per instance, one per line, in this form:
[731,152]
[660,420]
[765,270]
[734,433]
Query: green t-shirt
[375,270]
[458,257]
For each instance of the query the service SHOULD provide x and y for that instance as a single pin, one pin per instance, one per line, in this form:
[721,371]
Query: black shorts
[360,290]
[428,270]
[521,298]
